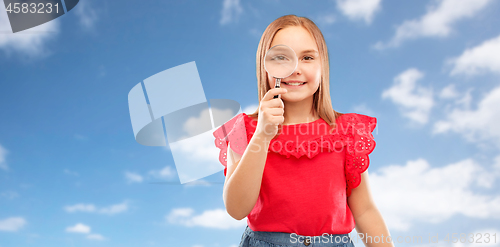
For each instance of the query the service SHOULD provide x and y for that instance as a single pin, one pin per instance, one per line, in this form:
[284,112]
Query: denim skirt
[280,239]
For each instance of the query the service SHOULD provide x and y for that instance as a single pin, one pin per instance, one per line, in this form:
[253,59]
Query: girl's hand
[271,112]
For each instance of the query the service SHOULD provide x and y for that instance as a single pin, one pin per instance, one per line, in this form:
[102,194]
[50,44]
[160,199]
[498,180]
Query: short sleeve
[360,143]
[234,132]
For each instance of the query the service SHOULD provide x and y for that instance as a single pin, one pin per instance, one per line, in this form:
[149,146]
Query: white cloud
[114,209]
[221,114]
[459,99]
[3,155]
[30,42]
[91,208]
[418,192]
[133,177]
[466,100]
[95,236]
[78,228]
[437,22]
[250,109]
[165,173]
[12,224]
[81,207]
[231,10]
[479,125]
[87,14]
[477,60]
[448,92]
[192,124]
[359,9]
[85,229]
[414,101]
[202,148]
[217,218]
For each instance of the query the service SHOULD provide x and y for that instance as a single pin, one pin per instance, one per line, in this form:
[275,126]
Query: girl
[296,167]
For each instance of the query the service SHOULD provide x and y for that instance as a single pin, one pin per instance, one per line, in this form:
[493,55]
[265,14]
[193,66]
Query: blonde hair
[322,103]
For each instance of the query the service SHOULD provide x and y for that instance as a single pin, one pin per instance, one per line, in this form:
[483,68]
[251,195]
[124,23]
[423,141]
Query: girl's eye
[308,58]
[279,58]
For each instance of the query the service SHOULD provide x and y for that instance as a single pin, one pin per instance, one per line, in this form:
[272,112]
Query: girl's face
[308,69]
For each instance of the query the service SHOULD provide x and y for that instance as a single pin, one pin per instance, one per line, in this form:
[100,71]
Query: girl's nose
[298,70]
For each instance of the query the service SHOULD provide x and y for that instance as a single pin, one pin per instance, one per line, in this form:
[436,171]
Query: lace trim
[360,143]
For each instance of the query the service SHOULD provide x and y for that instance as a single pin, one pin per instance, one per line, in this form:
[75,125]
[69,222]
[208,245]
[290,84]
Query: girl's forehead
[297,38]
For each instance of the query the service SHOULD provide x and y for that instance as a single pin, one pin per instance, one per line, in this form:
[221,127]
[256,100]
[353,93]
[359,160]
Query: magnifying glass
[280,62]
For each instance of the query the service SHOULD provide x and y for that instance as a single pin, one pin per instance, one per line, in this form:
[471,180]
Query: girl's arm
[244,177]
[369,221]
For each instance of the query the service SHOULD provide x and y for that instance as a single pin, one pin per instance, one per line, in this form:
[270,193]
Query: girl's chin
[294,98]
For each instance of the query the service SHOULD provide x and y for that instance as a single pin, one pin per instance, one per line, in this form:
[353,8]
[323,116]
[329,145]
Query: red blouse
[309,173]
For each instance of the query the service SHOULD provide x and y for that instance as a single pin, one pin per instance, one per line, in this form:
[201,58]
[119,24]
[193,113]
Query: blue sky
[72,174]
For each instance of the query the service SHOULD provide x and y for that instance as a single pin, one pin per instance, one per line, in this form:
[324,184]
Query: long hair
[322,103]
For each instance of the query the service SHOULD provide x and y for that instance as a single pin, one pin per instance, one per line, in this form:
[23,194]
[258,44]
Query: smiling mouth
[294,83]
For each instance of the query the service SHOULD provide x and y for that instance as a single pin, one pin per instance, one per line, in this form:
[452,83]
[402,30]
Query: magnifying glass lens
[280,61]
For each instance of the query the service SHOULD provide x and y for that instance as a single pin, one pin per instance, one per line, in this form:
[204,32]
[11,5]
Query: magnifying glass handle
[277,85]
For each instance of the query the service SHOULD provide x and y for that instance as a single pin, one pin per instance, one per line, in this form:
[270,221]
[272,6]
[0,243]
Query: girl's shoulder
[356,117]
[356,124]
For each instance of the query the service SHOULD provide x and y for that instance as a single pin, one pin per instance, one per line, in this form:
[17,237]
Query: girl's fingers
[276,111]
[273,91]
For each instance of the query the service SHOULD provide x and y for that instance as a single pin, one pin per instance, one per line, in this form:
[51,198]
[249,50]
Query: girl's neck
[299,112]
